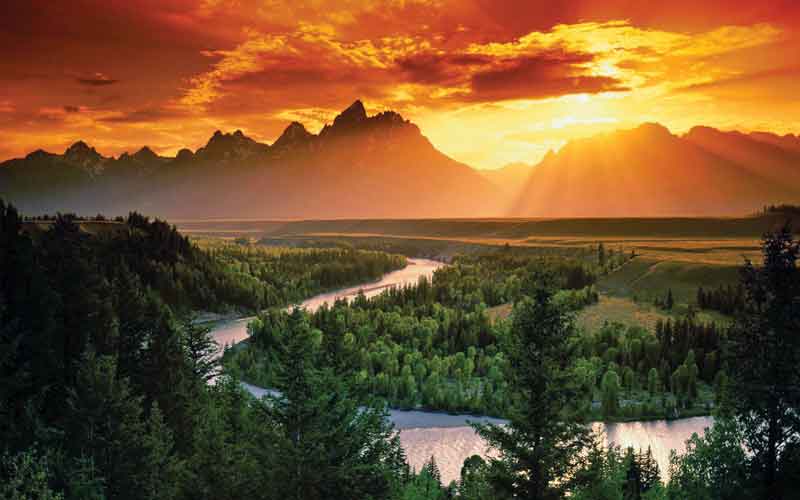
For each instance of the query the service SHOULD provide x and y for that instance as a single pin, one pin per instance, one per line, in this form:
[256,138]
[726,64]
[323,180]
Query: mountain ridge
[359,164]
[383,166]
[650,171]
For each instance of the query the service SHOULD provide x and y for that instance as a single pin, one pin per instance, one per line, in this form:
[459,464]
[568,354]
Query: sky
[489,82]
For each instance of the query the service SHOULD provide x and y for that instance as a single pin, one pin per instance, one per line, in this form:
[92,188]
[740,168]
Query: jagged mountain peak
[84,156]
[295,133]
[354,113]
[80,148]
[236,145]
[145,154]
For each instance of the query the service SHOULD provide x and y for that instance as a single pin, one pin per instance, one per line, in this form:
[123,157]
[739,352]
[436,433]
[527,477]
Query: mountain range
[648,171]
[382,166]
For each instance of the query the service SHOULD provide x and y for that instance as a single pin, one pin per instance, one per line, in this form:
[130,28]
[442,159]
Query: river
[448,438]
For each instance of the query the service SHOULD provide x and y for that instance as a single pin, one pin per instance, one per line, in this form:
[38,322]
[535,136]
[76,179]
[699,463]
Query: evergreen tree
[202,352]
[766,353]
[650,473]
[652,382]
[544,440]
[27,475]
[610,390]
[318,443]
[427,485]
[474,483]
[133,454]
[633,476]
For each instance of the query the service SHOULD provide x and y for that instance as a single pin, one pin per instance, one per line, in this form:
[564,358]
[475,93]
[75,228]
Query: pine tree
[545,438]
[650,473]
[106,424]
[319,443]
[633,476]
[202,352]
[766,353]
[610,388]
[652,381]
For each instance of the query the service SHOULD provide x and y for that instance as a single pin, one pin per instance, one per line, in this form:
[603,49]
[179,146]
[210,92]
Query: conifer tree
[766,354]
[319,443]
[544,440]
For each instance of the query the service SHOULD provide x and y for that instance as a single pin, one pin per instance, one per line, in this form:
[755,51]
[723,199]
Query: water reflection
[451,446]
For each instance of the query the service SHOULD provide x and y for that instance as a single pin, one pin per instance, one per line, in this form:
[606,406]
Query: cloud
[436,68]
[149,115]
[96,80]
[129,70]
[743,79]
[541,76]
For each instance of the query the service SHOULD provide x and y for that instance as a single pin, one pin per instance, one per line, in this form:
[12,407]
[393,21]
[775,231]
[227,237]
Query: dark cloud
[537,77]
[439,69]
[96,81]
[72,109]
[141,116]
[548,74]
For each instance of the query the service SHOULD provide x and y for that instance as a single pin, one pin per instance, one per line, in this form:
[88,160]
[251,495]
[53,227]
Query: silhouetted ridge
[294,134]
[354,114]
[230,146]
[184,155]
[145,155]
[80,152]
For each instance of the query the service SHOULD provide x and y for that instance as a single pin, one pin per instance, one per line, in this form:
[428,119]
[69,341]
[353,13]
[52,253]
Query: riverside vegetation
[432,345]
[104,379]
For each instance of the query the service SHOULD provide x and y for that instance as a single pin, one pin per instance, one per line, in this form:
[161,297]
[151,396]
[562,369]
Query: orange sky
[488,81]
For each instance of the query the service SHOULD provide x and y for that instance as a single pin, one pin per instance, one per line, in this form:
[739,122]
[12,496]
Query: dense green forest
[433,346]
[427,345]
[276,277]
[105,393]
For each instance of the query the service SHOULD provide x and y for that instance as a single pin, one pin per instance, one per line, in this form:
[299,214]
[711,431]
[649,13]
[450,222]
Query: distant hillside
[648,171]
[358,166]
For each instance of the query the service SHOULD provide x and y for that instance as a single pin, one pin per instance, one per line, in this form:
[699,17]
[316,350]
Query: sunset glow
[489,83]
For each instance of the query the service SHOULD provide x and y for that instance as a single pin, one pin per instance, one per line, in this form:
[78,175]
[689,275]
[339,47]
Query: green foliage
[319,443]
[474,481]
[27,475]
[765,351]
[713,466]
[609,474]
[610,389]
[426,485]
[544,439]
[276,277]
[430,345]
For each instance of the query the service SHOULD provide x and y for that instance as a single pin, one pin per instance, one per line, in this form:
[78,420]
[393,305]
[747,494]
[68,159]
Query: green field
[646,278]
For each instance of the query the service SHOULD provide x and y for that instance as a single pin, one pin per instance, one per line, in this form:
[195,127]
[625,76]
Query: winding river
[448,438]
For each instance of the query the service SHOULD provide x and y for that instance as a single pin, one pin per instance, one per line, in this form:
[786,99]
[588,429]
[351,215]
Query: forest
[432,345]
[109,390]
